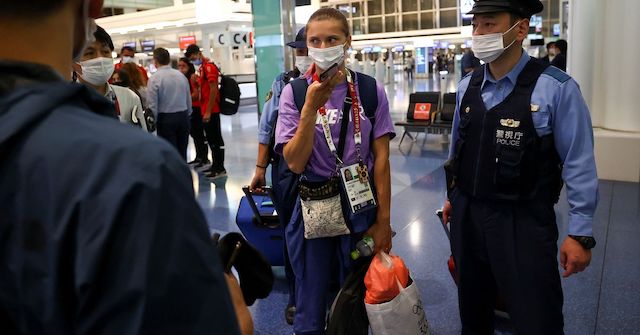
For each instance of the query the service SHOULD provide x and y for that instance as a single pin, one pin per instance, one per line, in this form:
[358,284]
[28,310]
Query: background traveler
[209,75]
[169,97]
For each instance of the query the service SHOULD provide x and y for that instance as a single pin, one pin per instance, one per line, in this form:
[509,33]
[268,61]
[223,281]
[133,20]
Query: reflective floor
[605,299]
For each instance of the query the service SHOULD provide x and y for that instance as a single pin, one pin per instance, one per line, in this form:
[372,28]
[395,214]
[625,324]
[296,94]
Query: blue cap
[301,40]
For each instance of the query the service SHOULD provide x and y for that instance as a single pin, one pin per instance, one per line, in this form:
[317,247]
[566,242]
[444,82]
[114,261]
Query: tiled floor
[605,299]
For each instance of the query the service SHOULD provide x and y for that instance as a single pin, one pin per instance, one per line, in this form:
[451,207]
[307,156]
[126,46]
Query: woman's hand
[319,93]
[381,234]
[259,179]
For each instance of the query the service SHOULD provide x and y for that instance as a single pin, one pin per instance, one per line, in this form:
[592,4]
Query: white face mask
[97,71]
[127,59]
[325,57]
[489,47]
[303,63]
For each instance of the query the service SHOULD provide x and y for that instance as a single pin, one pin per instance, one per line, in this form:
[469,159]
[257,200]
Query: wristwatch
[586,242]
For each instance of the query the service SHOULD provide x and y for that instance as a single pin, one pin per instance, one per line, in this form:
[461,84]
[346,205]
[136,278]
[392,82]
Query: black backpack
[229,95]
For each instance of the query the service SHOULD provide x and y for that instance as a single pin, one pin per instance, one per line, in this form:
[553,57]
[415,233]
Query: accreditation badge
[355,180]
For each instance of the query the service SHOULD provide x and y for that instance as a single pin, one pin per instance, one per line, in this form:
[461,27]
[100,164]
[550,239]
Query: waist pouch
[322,209]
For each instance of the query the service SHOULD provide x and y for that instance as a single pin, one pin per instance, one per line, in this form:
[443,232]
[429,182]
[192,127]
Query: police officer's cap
[522,8]
[301,40]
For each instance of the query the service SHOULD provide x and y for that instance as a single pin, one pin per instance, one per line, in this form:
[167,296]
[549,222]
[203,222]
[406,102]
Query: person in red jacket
[208,74]
[127,55]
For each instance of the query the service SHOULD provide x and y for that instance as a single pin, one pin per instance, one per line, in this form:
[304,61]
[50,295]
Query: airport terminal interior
[413,46]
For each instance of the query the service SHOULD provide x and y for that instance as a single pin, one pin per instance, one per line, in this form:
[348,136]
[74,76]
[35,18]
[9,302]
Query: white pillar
[581,63]
[603,45]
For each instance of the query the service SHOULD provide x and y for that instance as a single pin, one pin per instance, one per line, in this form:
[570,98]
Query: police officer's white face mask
[325,57]
[489,47]
[303,63]
[97,71]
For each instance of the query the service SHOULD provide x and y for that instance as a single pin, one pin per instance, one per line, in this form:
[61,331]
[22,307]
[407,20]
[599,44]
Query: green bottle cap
[355,254]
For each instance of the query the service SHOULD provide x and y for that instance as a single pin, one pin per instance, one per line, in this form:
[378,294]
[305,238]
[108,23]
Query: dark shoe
[202,163]
[195,161]
[289,314]
[217,174]
[207,170]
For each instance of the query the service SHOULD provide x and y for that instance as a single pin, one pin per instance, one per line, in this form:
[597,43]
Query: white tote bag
[404,315]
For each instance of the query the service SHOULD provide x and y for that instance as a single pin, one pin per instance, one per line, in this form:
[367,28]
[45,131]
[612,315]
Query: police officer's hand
[446,211]
[573,257]
[319,92]
[381,234]
[258,178]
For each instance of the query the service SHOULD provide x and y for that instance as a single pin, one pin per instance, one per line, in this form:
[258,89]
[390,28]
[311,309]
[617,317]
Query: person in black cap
[283,180]
[520,129]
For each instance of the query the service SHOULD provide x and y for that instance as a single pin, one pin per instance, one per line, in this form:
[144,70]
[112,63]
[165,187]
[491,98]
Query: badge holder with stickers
[321,204]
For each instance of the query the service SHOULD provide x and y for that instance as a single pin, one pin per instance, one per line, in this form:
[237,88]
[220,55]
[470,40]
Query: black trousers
[216,142]
[197,133]
[507,249]
[174,127]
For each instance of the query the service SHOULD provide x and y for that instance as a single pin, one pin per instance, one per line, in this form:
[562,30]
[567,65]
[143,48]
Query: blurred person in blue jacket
[100,230]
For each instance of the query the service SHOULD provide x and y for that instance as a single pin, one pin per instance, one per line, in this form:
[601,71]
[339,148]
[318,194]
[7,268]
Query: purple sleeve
[288,119]
[384,124]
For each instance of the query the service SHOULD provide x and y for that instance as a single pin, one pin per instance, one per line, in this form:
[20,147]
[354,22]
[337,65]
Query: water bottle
[364,248]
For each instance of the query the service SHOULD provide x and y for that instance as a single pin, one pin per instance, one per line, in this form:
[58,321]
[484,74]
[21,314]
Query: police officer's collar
[512,76]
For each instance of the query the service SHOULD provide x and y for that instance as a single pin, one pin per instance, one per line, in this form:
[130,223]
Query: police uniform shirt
[270,108]
[557,107]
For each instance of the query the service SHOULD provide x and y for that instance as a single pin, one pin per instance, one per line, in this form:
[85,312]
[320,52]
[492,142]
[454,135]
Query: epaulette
[557,74]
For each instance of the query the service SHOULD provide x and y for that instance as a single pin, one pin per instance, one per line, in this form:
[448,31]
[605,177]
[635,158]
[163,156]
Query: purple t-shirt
[322,162]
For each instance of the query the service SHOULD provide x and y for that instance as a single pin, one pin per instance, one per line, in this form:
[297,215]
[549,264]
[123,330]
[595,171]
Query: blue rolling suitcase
[258,221]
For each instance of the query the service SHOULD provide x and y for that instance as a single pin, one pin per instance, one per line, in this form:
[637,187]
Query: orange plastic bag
[383,276]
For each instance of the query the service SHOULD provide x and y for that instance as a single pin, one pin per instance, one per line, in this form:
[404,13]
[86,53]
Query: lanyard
[351,100]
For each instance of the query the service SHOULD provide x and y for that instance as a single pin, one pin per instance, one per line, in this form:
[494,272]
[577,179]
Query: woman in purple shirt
[308,138]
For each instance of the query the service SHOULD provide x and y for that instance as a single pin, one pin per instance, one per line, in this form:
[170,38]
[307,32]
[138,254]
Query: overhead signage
[131,45]
[185,41]
[233,38]
[148,45]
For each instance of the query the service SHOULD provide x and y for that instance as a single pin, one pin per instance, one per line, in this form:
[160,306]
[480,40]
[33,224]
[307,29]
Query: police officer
[283,180]
[520,129]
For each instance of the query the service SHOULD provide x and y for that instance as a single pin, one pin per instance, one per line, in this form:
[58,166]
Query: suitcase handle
[266,190]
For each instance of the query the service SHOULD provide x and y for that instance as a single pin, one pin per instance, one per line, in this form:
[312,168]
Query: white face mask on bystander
[97,71]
